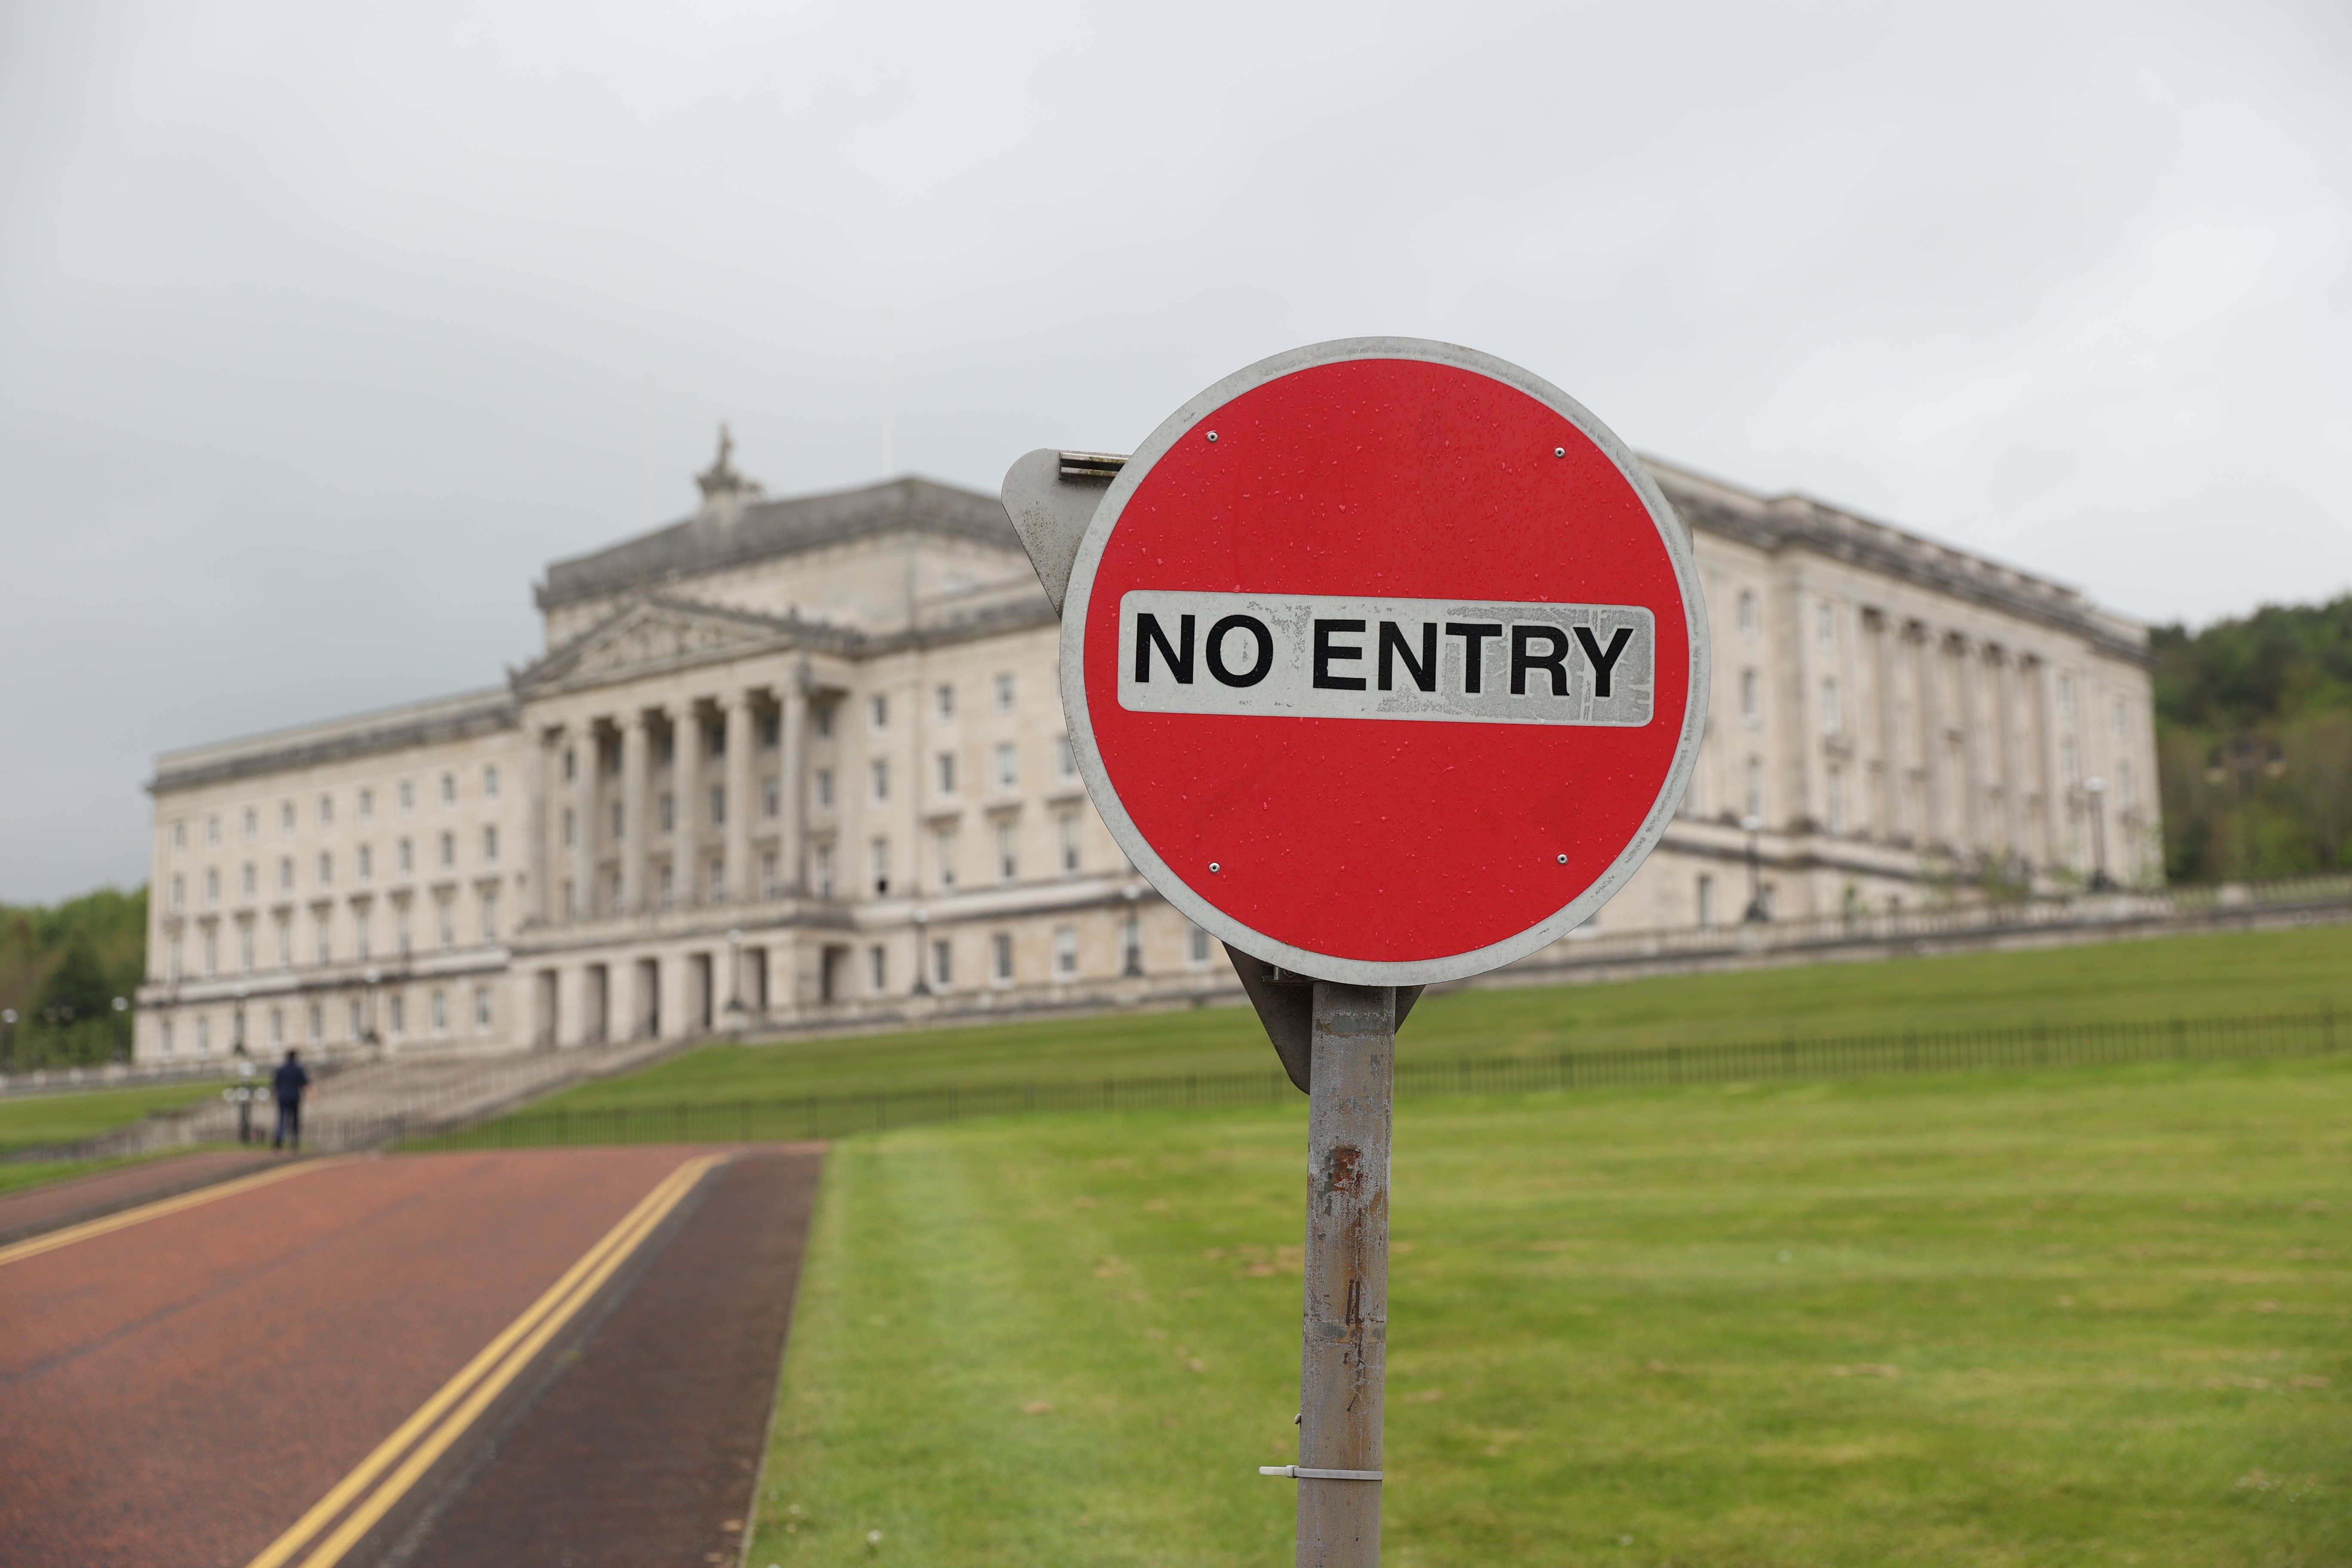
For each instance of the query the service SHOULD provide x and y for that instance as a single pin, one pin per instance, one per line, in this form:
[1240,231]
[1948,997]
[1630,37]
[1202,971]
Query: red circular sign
[1385,661]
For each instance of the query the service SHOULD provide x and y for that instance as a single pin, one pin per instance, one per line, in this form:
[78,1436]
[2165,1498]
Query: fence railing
[820,1116]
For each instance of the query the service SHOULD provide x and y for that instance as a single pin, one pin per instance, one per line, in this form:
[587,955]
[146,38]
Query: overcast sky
[323,328]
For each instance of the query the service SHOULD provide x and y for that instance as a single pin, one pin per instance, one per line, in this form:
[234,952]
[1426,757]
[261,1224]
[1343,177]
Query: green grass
[38,1121]
[15,1178]
[2089,1316]
[2195,976]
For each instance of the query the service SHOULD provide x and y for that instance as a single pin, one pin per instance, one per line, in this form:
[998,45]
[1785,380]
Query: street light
[123,1049]
[922,953]
[8,1039]
[2096,788]
[1757,913]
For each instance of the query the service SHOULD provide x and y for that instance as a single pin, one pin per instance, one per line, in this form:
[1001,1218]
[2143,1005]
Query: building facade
[798,762]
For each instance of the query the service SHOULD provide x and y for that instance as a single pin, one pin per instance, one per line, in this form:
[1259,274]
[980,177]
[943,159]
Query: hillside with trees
[61,967]
[2254,744]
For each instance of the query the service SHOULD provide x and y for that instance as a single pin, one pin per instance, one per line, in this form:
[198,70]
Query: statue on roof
[720,482]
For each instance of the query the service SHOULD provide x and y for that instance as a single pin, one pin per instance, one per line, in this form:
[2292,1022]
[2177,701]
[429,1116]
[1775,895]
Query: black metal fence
[815,1116]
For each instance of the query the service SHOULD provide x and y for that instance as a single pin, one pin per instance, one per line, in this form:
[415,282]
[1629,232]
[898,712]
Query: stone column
[634,763]
[584,804]
[743,744]
[2005,677]
[537,908]
[1931,732]
[1971,721]
[686,778]
[792,760]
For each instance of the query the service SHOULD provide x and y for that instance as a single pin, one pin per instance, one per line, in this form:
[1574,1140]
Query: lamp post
[8,1039]
[922,953]
[236,1020]
[735,976]
[2096,789]
[368,1035]
[121,1046]
[1757,913]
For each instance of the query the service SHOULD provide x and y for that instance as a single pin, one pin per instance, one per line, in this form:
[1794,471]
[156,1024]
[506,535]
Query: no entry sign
[1384,661]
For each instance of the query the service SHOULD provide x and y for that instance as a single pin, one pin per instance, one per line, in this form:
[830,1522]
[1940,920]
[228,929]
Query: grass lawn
[15,1178]
[2080,1316]
[34,1120]
[2194,976]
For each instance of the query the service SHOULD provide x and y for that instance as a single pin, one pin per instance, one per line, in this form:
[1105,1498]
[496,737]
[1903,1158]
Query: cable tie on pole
[1306,1474]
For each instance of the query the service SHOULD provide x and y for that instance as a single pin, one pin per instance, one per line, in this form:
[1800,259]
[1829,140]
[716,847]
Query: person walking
[291,1083]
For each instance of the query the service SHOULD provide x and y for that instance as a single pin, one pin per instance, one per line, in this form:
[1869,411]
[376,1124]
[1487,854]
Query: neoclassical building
[788,763]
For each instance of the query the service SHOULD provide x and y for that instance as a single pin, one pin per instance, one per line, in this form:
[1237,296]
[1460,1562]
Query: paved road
[58,1204]
[183,1389]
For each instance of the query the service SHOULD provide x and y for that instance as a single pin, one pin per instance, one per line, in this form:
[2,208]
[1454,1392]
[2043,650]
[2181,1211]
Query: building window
[1066,760]
[1706,903]
[367,862]
[717,805]
[825,870]
[718,883]
[947,772]
[1066,833]
[1001,954]
[880,849]
[406,850]
[1755,789]
[1836,783]
[942,959]
[360,933]
[448,850]
[408,789]
[1065,951]
[1008,859]
[877,959]
[1750,696]
[318,1021]
[490,844]
[179,891]
[396,1010]
[946,695]
[251,882]
[1008,766]
[276,1026]
[666,889]
[771,796]
[440,1012]
[1829,718]
[490,783]
[176,965]
[489,914]
[571,827]
[1004,694]
[367,804]
[166,1041]
[212,885]
[203,1036]
[771,726]
[357,1026]
[445,922]
[212,952]
[325,930]
[768,861]
[286,873]
[1196,944]
[824,722]
[944,848]
[571,766]
[881,770]
[286,816]
[482,1009]
[245,945]
[824,789]
[448,794]
[178,835]
[212,828]
[879,711]
[1827,631]
[285,928]
[1746,612]
[326,811]
[664,812]
[252,819]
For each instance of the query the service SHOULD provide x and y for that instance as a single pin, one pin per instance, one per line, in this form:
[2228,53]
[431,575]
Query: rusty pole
[1344,1360]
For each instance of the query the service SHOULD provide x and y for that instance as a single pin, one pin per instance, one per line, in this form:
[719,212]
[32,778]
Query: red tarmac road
[182,1389]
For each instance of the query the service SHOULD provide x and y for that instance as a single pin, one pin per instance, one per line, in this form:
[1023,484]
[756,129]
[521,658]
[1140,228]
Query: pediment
[654,635]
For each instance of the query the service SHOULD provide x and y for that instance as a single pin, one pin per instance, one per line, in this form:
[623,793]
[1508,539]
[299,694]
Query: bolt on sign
[1385,663]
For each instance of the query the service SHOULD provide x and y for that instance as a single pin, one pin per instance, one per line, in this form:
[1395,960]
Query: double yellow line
[157,1210]
[441,1420]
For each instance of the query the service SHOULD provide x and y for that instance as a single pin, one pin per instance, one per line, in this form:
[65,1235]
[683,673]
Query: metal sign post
[1384,663]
